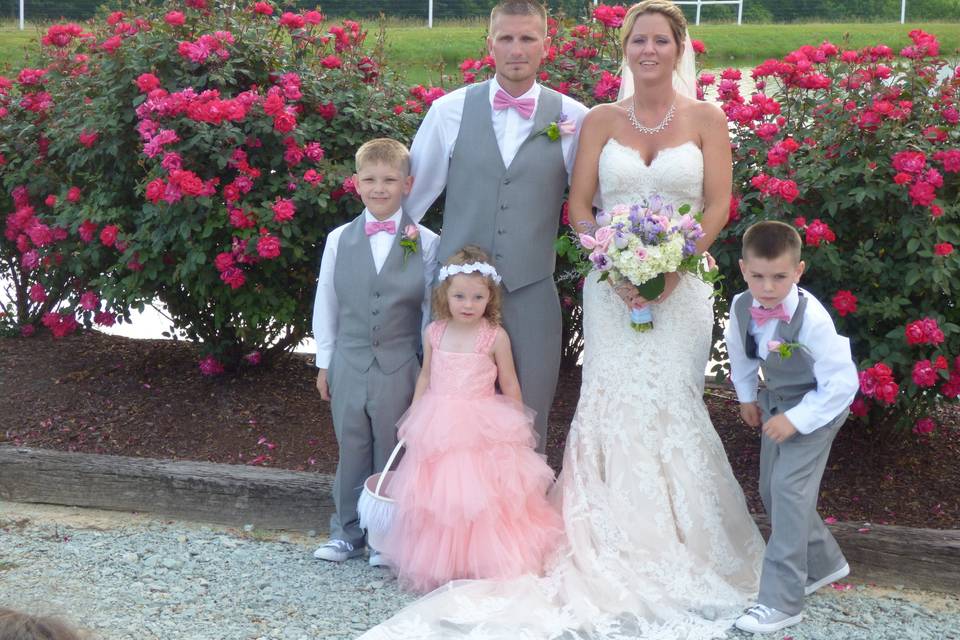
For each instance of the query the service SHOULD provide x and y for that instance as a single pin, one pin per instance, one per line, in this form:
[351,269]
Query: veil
[684,77]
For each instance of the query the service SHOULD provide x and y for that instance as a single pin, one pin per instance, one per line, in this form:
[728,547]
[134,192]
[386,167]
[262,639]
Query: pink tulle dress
[470,491]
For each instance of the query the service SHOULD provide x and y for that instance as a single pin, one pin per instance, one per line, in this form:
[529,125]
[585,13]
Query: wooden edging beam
[275,499]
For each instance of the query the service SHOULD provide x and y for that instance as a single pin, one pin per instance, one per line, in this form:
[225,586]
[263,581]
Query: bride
[659,542]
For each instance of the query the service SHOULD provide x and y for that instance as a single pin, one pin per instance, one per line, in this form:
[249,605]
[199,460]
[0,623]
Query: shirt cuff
[323,358]
[746,392]
[802,419]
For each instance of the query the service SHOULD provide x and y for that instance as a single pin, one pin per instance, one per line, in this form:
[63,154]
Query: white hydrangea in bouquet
[641,243]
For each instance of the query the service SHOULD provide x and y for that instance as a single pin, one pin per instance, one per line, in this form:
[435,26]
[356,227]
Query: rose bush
[860,151]
[211,144]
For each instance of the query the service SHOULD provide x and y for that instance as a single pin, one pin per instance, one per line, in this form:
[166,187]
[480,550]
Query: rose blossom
[845,302]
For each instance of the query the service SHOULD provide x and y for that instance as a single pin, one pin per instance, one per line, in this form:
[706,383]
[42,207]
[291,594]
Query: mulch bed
[97,393]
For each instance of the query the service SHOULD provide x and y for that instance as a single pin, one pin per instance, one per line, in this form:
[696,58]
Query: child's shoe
[839,574]
[763,619]
[377,559]
[337,551]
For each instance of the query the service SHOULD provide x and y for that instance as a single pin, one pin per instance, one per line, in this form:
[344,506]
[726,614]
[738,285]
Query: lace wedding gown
[659,543]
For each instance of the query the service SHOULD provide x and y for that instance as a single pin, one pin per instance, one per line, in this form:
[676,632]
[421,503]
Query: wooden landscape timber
[236,495]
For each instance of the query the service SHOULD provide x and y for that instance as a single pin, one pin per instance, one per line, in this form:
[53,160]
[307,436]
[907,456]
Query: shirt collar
[532,92]
[369,217]
[789,303]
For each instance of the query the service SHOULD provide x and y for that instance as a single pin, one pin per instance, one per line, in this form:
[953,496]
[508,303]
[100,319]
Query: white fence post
[430,14]
[699,4]
[903,11]
[21,15]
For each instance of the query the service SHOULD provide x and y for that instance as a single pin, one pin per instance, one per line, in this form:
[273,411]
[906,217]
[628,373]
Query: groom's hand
[779,428]
[750,412]
[322,385]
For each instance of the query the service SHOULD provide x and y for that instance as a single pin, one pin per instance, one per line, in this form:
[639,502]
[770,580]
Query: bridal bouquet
[641,243]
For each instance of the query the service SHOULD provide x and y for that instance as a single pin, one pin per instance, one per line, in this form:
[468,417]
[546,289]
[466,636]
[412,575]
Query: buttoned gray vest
[379,316]
[787,379]
[512,212]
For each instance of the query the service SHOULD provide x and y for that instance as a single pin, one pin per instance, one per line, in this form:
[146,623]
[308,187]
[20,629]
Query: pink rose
[411,231]
[774,345]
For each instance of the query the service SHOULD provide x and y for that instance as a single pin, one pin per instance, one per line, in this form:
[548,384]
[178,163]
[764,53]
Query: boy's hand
[779,428]
[322,386]
[750,412]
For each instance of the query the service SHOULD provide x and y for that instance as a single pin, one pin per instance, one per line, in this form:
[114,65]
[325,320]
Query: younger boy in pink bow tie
[373,301]
[808,390]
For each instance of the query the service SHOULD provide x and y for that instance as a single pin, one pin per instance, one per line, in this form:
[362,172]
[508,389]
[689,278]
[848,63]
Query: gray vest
[512,212]
[379,314]
[787,379]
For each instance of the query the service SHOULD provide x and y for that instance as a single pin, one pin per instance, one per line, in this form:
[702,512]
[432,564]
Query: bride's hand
[627,292]
[671,280]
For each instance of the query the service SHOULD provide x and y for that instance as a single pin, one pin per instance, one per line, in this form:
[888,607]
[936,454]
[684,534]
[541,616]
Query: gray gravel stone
[147,580]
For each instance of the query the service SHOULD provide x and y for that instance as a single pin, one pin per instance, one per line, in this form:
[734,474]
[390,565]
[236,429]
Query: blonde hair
[21,626]
[383,150]
[470,253]
[670,11]
[519,8]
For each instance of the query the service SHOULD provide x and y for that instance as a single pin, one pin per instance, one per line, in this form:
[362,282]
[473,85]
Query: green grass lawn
[422,54]
[16,45]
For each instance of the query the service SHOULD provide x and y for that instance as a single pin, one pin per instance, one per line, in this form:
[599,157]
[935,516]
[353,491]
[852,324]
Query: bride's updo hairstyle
[670,11]
[470,254]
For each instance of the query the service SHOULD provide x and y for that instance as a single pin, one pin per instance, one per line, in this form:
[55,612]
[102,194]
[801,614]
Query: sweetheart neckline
[656,156]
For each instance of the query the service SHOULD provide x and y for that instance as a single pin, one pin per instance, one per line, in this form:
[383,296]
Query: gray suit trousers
[366,407]
[800,545]
[531,316]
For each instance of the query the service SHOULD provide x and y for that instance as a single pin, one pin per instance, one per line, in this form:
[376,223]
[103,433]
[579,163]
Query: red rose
[175,18]
[924,375]
[924,426]
[327,111]
[268,246]
[147,82]
[285,122]
[155,190]
[789,190]
[73,194]
[283,210]
[845,302]
[332,62]
[943,249]
[263,8]
[108,236]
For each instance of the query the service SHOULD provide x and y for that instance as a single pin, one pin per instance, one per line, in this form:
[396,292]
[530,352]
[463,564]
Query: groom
[505,181]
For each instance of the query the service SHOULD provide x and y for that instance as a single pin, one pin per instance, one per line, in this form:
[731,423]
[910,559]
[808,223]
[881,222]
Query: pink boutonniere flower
[564,126]
[408,240]
[784,349]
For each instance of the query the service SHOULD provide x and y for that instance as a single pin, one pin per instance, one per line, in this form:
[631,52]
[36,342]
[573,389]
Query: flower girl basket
[376,507]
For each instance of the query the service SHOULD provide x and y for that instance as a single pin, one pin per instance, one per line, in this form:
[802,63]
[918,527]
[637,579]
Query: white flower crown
[472,267]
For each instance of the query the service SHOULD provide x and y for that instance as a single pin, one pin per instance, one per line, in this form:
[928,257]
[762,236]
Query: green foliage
[861,152]
[261,114]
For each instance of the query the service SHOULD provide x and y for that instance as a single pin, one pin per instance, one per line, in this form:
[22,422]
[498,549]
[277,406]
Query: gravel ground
[130,576]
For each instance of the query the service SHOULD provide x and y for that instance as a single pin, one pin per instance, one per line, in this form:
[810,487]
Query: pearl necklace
[651,130]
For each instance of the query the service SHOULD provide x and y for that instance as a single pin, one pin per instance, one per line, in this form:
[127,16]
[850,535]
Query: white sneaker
[336,551]
[840,573]
[377,559]
[763,619]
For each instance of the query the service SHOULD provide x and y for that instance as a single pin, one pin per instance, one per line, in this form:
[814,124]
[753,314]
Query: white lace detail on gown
[660,544]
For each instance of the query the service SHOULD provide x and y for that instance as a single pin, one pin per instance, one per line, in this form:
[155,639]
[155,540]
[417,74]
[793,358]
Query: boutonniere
[785,349]
[563,126]
[408,240]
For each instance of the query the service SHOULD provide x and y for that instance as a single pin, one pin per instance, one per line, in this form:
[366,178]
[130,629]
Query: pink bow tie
[524,106]
[761,315]
[375,227]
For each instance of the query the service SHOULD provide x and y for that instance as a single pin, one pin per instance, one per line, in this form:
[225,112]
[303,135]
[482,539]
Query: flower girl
[470,491]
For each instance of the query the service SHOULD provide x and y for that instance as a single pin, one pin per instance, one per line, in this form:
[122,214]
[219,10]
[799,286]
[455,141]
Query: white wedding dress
[659,542]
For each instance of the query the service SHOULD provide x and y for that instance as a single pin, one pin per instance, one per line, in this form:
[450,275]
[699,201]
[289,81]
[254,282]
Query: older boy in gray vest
[505,177]
[373,296]
[810,382]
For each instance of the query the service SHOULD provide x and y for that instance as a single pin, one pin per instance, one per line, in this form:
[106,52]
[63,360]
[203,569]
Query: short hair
[384,150]
[670,11]
[15,625]
[771,239]
[470,253]
[519,8]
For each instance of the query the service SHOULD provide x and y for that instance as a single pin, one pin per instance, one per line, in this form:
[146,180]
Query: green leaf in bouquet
[653,287]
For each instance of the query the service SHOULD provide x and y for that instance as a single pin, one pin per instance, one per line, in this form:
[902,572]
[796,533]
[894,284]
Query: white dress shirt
[833,366]
[325,307]
[433,145]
